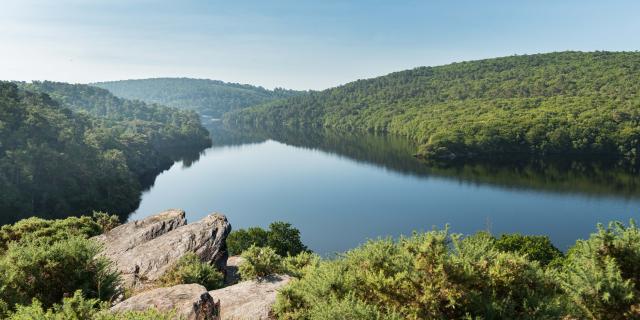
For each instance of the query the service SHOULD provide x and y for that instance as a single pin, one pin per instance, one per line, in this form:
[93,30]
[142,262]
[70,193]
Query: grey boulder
[231,272]
[146,262]
[128,235]
[188,301]
[249,299]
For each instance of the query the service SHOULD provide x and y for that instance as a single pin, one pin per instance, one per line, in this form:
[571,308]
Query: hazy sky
[294,44]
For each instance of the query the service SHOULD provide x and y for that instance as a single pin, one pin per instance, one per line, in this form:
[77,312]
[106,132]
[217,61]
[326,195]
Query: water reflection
[341,188]
[594,177]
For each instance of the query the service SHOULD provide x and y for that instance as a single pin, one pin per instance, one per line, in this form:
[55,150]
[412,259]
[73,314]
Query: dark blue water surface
[340,189]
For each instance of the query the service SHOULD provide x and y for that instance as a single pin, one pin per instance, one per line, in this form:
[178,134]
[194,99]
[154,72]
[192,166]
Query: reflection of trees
[591,177]
[226,136]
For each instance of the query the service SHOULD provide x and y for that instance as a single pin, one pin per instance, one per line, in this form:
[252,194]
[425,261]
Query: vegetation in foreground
[189,269]
[49,270]
[569,103]
[281,236]
[439,275]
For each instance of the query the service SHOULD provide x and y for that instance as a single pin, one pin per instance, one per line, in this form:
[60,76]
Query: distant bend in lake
[341,189]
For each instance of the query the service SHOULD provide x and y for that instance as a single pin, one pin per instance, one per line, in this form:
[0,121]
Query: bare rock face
[249,299]
[126,236]
[231,274]
[146,262]
[189,301]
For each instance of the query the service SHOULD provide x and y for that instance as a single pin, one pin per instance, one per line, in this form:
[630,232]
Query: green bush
[106,221]
[281,236]
[46,270]
[54,230]
[427,276]
[240,240]
[72,308]
[348,309]
[189,269]
[259,263]
[298,265]
[601,276]
[285,239]
[537,248]
[78,307]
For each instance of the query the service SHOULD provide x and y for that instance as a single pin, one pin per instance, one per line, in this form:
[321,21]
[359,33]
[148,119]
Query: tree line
[72,149]
[567,103]
[208,97]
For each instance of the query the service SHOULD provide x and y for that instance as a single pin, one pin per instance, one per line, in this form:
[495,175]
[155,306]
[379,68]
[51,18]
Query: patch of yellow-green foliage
[437,275]
[259,263]
[51,270]
[54,230]
[190,269]
[78,307]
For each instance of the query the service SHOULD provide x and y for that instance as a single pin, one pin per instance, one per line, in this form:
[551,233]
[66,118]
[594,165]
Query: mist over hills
[211,98]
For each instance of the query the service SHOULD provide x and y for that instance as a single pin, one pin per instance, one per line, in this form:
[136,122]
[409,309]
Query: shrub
[189,269]
[54,230]
[240,240]
[259,263]
[427,276]
[285,239]
[348,309]
[537,248]
[72,308]
[298,265]
[46,271]
[281,236]
[106,221]
[78,307]
[601,276]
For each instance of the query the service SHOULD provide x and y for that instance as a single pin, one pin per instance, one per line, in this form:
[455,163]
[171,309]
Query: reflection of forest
[395,153]
[188,156]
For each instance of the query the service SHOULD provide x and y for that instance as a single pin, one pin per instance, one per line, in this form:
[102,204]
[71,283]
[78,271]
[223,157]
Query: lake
[341,189]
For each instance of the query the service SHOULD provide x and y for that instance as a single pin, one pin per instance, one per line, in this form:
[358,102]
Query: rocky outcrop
[142,263]
[189,301]
[126,236]
[249,299]
[231,274]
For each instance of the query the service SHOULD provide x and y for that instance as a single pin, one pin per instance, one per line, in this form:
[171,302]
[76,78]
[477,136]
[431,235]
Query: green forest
[567,103]
[208,97]
[72,149]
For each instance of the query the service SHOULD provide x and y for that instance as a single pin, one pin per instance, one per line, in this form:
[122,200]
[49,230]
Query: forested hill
[208,97]
[55,161]
[165,127]
[574,103]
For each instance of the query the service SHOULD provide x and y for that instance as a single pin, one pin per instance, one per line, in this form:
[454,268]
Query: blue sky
[294,44]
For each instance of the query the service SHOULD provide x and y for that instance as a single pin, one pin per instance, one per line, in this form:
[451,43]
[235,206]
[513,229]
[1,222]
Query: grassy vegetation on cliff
[47,260]
[570,103]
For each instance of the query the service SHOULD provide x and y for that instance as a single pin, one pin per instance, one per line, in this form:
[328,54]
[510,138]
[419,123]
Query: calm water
[341,189]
